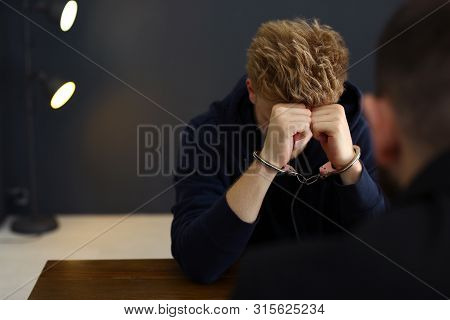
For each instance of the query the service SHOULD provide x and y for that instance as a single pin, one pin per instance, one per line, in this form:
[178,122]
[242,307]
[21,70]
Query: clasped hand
[291,127]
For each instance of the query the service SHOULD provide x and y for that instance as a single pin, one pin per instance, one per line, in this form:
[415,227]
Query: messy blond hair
[298,61]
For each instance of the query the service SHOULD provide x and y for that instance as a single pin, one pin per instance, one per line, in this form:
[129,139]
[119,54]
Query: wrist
[343,160]
[352,175]
[272,158]
[261,169]
[328,168]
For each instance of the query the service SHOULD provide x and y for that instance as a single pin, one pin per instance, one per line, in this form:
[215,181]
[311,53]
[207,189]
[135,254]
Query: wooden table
[124,279]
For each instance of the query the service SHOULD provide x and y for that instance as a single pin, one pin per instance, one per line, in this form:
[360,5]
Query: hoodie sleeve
[364,198]
[207,236]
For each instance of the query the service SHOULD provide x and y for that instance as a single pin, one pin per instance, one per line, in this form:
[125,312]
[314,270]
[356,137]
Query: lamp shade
[62,12]
[58,91]
[68,15]
[61,94]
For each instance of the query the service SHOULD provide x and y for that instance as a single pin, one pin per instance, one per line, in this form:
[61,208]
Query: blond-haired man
[292,112]
[405,253]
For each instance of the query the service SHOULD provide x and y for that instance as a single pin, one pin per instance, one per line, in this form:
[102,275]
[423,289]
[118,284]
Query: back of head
[297,61]
[413,71]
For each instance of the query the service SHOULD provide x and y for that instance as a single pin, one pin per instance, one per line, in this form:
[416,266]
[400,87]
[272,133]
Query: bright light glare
[68,15]
[62,95]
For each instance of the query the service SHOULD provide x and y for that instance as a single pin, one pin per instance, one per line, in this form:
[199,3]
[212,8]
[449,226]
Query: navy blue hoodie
[208,237]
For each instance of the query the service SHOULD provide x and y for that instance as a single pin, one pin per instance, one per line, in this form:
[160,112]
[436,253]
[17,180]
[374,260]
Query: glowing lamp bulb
[68,15]
[62,95]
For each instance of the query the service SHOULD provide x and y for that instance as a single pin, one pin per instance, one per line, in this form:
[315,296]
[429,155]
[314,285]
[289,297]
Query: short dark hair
[413,70]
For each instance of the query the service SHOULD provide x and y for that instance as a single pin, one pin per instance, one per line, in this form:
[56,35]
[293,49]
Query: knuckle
[276,107]
[276,112]
[282,117]
[306,127]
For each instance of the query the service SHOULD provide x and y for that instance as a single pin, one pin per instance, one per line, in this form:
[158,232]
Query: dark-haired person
[406,253]
[293,106]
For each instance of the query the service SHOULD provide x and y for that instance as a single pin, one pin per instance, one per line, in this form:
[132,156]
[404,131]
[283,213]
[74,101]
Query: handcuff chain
[306,180]
[289,170]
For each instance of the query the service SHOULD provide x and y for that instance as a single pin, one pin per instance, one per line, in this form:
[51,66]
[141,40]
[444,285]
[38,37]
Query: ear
[383,125]
[251,91]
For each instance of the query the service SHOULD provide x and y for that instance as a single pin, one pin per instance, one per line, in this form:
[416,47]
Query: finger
[289,112]
[281,111]
[299,145]
[329,109]
[289,117]
[298,127]
[300,111]
[302,135]
[324,118]
[322,138]
[322,112]
[285,120]
[299,118]
[327,128]
[290,128]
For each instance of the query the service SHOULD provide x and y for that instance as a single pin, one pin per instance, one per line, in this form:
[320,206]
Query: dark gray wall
[181,54]
[12,117]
